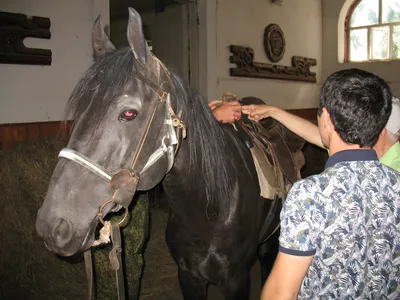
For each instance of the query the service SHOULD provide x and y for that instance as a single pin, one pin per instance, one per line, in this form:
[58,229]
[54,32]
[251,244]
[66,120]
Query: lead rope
[115,256]
[105,233]
[89,272]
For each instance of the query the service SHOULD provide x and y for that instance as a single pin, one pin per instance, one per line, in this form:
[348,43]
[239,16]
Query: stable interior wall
[170,36]
[30,93]
[242,22]
[333,47]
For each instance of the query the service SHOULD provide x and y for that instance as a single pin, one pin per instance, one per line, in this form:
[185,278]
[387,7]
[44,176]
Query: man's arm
[302,127]
[286,277]
[297,242]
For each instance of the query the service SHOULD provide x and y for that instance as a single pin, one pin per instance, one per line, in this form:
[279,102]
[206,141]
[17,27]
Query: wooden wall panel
[306,113]
[11,134]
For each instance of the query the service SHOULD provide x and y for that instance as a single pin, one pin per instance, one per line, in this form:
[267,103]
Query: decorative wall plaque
[246,67]
[14,28]
[274,42]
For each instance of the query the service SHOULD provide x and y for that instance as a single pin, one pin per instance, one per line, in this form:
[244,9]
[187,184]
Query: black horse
[131,113]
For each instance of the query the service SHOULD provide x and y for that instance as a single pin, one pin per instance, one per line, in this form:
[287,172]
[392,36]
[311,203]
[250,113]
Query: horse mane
[207,145]
[110,74]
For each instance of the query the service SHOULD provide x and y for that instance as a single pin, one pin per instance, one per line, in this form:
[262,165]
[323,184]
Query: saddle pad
[266,173]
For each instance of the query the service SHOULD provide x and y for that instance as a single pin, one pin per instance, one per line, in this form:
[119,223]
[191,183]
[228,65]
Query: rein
[125,181]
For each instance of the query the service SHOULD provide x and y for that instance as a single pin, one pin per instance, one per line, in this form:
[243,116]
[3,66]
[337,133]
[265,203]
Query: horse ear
[136,37]
[100,41]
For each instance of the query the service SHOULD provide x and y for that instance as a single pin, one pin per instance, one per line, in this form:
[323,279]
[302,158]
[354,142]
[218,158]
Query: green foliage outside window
[375,24]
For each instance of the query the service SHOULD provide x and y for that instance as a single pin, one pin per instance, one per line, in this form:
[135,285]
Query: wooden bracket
[14,28]
[246,67]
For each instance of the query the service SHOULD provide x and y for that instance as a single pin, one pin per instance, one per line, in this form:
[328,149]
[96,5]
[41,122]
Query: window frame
[347,30]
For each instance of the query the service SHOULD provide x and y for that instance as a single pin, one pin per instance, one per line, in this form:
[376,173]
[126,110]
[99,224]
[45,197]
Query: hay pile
[28,269]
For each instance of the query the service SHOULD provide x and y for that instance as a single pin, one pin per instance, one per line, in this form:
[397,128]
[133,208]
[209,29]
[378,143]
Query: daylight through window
[373,30]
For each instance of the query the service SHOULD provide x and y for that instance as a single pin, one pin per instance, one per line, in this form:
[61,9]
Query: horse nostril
[62,232]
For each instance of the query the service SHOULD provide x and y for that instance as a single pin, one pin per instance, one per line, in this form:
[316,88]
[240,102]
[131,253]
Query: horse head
[123,139]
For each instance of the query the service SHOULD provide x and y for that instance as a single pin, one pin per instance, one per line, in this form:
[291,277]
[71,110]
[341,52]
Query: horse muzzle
[61,237]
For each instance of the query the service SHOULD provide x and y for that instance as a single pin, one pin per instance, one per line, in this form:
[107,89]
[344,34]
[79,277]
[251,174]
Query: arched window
[372,30]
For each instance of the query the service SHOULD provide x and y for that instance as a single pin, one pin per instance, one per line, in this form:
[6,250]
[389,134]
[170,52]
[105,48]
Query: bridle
[125,181]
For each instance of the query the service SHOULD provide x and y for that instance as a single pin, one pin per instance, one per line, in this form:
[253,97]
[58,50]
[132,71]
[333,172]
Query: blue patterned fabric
[348,217]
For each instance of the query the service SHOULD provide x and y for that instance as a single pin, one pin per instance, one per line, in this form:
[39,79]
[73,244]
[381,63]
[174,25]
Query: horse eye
[128,115]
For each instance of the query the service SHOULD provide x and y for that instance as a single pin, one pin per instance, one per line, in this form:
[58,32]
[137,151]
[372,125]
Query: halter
[124,182]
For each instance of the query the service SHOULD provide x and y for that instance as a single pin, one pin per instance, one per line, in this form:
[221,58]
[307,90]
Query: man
[387,147]
[340,236]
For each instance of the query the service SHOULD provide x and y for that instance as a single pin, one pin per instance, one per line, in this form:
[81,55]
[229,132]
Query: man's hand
[213,104]
[226,112]
[258,112]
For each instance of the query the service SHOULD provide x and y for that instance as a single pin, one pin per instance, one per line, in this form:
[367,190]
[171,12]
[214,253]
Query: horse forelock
[103,82]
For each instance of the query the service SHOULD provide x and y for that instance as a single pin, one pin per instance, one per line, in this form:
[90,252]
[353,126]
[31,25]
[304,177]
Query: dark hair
[359,104]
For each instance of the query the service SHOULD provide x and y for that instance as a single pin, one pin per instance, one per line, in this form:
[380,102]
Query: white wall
[38,93]
[242,22]
[389,71]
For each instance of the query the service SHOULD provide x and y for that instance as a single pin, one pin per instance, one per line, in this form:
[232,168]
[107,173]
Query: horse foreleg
[192,288]
[237,287]
[267,253]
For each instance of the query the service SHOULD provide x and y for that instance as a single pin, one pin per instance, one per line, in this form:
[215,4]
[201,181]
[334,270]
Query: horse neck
[185,185]
[180,180]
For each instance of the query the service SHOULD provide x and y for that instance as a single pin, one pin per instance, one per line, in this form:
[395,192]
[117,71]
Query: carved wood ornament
[14,28]
[274,45]
[246,67]
[274,42]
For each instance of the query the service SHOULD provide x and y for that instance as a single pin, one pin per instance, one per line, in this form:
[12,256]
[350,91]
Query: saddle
[276,152]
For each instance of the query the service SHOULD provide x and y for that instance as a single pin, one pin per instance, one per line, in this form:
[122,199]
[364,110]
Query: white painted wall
[333,29]
[38,93]
[242,22]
